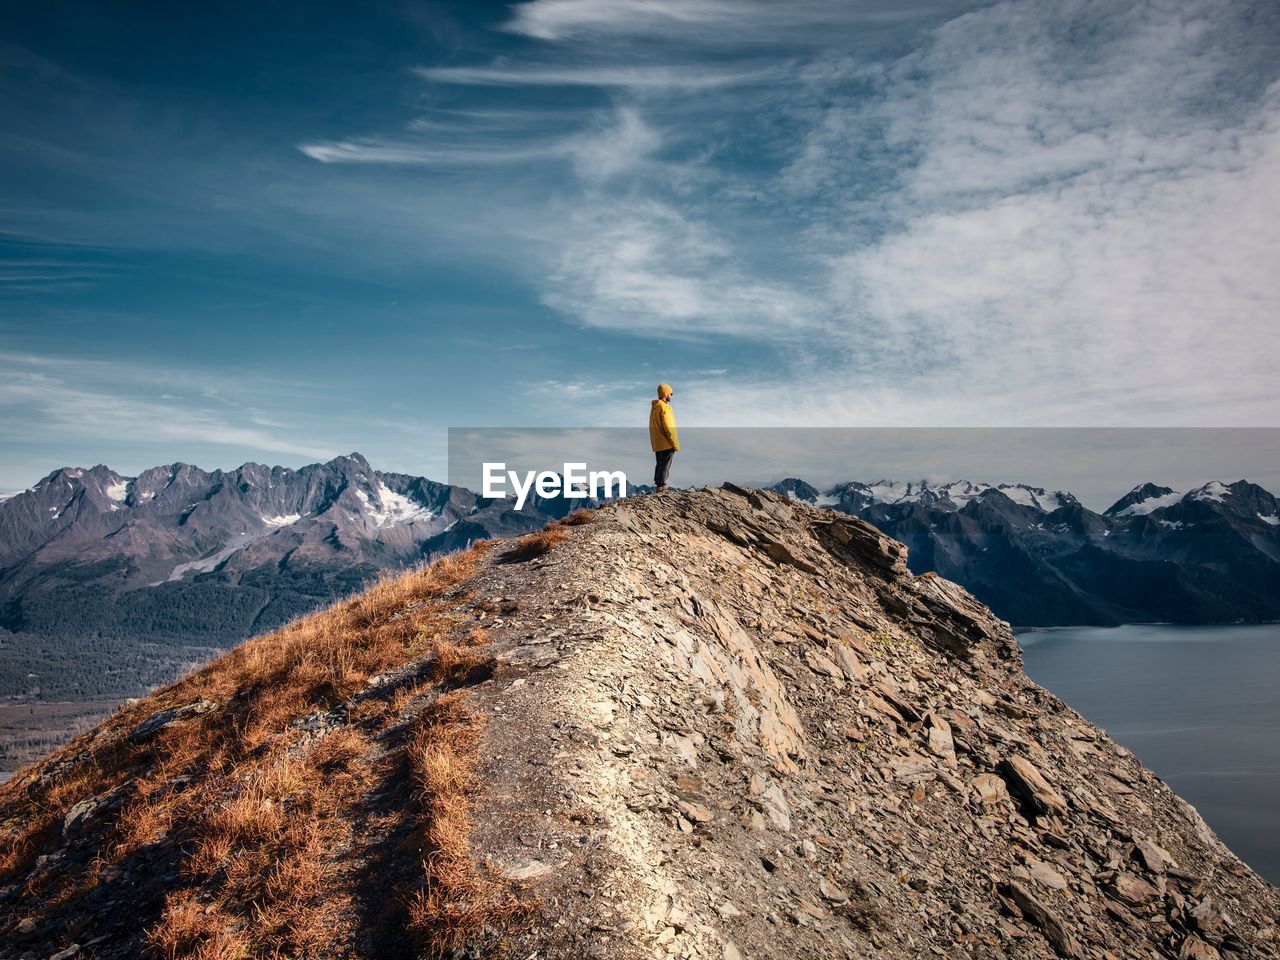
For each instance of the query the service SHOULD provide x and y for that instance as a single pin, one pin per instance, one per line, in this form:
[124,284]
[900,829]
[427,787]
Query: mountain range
[1041,558]
[110,583]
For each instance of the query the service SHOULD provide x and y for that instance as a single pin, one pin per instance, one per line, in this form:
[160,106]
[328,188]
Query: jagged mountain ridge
[719,724]
[1041,558]
[852,496]
[182,513]
[110,584]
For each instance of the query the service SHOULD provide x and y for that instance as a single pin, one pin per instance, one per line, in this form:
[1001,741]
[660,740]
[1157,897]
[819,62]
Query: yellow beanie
[664,391]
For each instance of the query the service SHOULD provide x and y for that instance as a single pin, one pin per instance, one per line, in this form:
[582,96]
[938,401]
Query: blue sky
[280,232]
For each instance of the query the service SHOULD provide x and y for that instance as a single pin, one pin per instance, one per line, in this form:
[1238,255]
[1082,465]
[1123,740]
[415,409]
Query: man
[662,435]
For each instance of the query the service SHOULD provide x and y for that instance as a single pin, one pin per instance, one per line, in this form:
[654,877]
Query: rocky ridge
[724,724]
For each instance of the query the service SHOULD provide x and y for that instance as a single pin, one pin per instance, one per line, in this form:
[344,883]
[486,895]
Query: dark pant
[663,467]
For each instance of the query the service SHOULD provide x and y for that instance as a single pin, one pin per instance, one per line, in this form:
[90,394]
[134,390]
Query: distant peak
[1143,499]
[62,473]
[356,459]
[1242,495]
[796,488]
[1214,490]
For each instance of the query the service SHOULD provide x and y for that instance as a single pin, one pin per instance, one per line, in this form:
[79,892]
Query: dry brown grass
[578,518]
[262,849]
[536,544]
[260,823]
[190,930]
[144,820]
[456,897]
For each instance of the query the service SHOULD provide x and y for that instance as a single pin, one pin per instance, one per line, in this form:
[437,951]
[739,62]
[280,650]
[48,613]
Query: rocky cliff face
[718,724]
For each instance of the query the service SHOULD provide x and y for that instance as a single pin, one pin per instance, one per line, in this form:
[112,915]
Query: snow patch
[1046,501]
[1049,502]
[900,491]
[896,491]
[395,508]
[1271,519]
[1019,495]
[959,492]
[283,521]
[1171,524]
[203,565]
[1215,490]
[821,500]
[118,492]
[1144,507]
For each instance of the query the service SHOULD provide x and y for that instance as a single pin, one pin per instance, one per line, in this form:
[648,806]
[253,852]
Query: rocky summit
[719,724]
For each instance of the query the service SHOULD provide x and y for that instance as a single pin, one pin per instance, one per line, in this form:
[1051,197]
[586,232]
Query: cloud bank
[1045,212]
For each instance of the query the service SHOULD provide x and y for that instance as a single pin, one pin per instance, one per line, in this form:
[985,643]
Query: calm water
[1198,705]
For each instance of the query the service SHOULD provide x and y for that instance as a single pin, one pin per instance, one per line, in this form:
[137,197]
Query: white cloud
[83,401]
[599,145]
[644,77]
[710,22]
[648,267]
[1046,212]
[1017,226]
[417,153]
[575,391]
[616,148]
[560,19]
[1073,221]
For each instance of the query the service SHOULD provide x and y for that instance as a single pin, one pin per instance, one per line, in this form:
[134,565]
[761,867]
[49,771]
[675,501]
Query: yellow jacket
[662,427]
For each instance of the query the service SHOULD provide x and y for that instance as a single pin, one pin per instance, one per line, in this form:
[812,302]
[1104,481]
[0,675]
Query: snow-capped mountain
[1041,558]
[180,513]
[128,578]
[1143,499]
[944,496]
[181,516]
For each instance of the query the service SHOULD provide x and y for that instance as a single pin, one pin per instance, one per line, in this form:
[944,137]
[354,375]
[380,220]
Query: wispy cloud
[1069,222]
[575,391]
[407,152]
[24,273]
[1007,220]
[648,267]
[82,402]
[615,147]
[1004,226]
[715,22]
[640,77]
[613,142]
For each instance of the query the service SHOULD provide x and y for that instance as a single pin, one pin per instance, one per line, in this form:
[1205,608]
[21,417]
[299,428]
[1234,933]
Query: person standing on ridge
[662,435]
